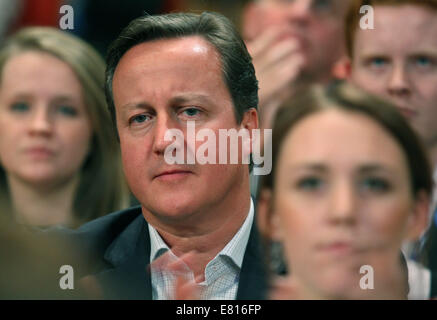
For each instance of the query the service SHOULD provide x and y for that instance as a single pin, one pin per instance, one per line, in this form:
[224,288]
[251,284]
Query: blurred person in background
[59,158]
[397,60]
[293,44]
[31,266]
[340,198]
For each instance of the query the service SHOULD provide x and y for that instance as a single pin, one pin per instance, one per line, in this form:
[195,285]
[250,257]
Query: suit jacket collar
[129,255]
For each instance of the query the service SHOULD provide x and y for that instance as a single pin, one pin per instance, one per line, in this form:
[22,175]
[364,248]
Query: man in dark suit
[163,72]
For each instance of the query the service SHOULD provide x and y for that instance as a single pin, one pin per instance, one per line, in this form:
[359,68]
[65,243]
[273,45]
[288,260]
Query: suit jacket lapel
[130,256]
[253,275]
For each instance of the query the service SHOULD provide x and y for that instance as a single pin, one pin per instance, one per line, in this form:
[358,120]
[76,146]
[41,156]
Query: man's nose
[163,127]
[342,204]
[41,122]
[299,11]
[399,84]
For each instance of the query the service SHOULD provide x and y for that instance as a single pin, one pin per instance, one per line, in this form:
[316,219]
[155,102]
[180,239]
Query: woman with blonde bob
[59,156]
[350,182]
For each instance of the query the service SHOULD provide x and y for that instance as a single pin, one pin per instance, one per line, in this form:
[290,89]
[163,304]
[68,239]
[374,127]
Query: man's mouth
[172,175]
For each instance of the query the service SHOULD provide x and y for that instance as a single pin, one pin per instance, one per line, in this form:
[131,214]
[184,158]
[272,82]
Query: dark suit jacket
[116,250]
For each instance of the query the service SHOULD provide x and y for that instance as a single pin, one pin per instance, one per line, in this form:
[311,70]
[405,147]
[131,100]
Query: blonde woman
[59,159]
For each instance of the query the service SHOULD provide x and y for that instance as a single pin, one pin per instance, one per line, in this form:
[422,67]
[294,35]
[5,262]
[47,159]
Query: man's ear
[418,220]
[249,122]
[342,68]
[267,219]
[250,119]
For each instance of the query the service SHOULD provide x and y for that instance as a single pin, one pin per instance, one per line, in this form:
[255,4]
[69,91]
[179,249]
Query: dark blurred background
[100,21]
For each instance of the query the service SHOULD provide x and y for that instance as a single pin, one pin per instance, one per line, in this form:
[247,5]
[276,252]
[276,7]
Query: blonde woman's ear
[418,220]
[268,220]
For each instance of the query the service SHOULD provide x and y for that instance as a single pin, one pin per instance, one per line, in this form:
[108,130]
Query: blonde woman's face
[45,131]
[342,200]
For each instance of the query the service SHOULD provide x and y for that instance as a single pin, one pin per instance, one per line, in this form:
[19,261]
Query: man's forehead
[406,12]
[177,69]
[417,26]
[174,48]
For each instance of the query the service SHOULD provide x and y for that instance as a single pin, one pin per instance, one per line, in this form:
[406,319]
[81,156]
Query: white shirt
[221,274]
[419,280]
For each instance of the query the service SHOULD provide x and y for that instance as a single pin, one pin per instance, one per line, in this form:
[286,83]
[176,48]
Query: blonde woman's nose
[41,122]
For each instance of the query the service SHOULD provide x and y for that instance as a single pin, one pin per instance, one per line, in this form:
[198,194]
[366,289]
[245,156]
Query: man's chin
[172,209]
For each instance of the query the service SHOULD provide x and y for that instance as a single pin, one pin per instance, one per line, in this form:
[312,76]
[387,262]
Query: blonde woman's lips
[39,152]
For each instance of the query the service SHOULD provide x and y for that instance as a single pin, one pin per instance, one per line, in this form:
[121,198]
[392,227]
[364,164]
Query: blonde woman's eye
[20,107]
[67,111]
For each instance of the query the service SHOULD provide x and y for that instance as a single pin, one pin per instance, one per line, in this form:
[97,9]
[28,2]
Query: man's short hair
[237,68]
[353,16]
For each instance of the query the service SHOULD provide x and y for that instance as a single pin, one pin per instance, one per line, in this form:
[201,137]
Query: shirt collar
[157,245]
[235,248]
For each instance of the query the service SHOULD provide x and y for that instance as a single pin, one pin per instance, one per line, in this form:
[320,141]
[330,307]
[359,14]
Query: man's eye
[377,185]
[423,62]
[377,62]
[140,118]
[67,110]
[20,107]
[191,112]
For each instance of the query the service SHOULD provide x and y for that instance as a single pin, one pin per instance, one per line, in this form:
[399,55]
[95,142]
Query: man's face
[316,24]
[161,85]
[398,60]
